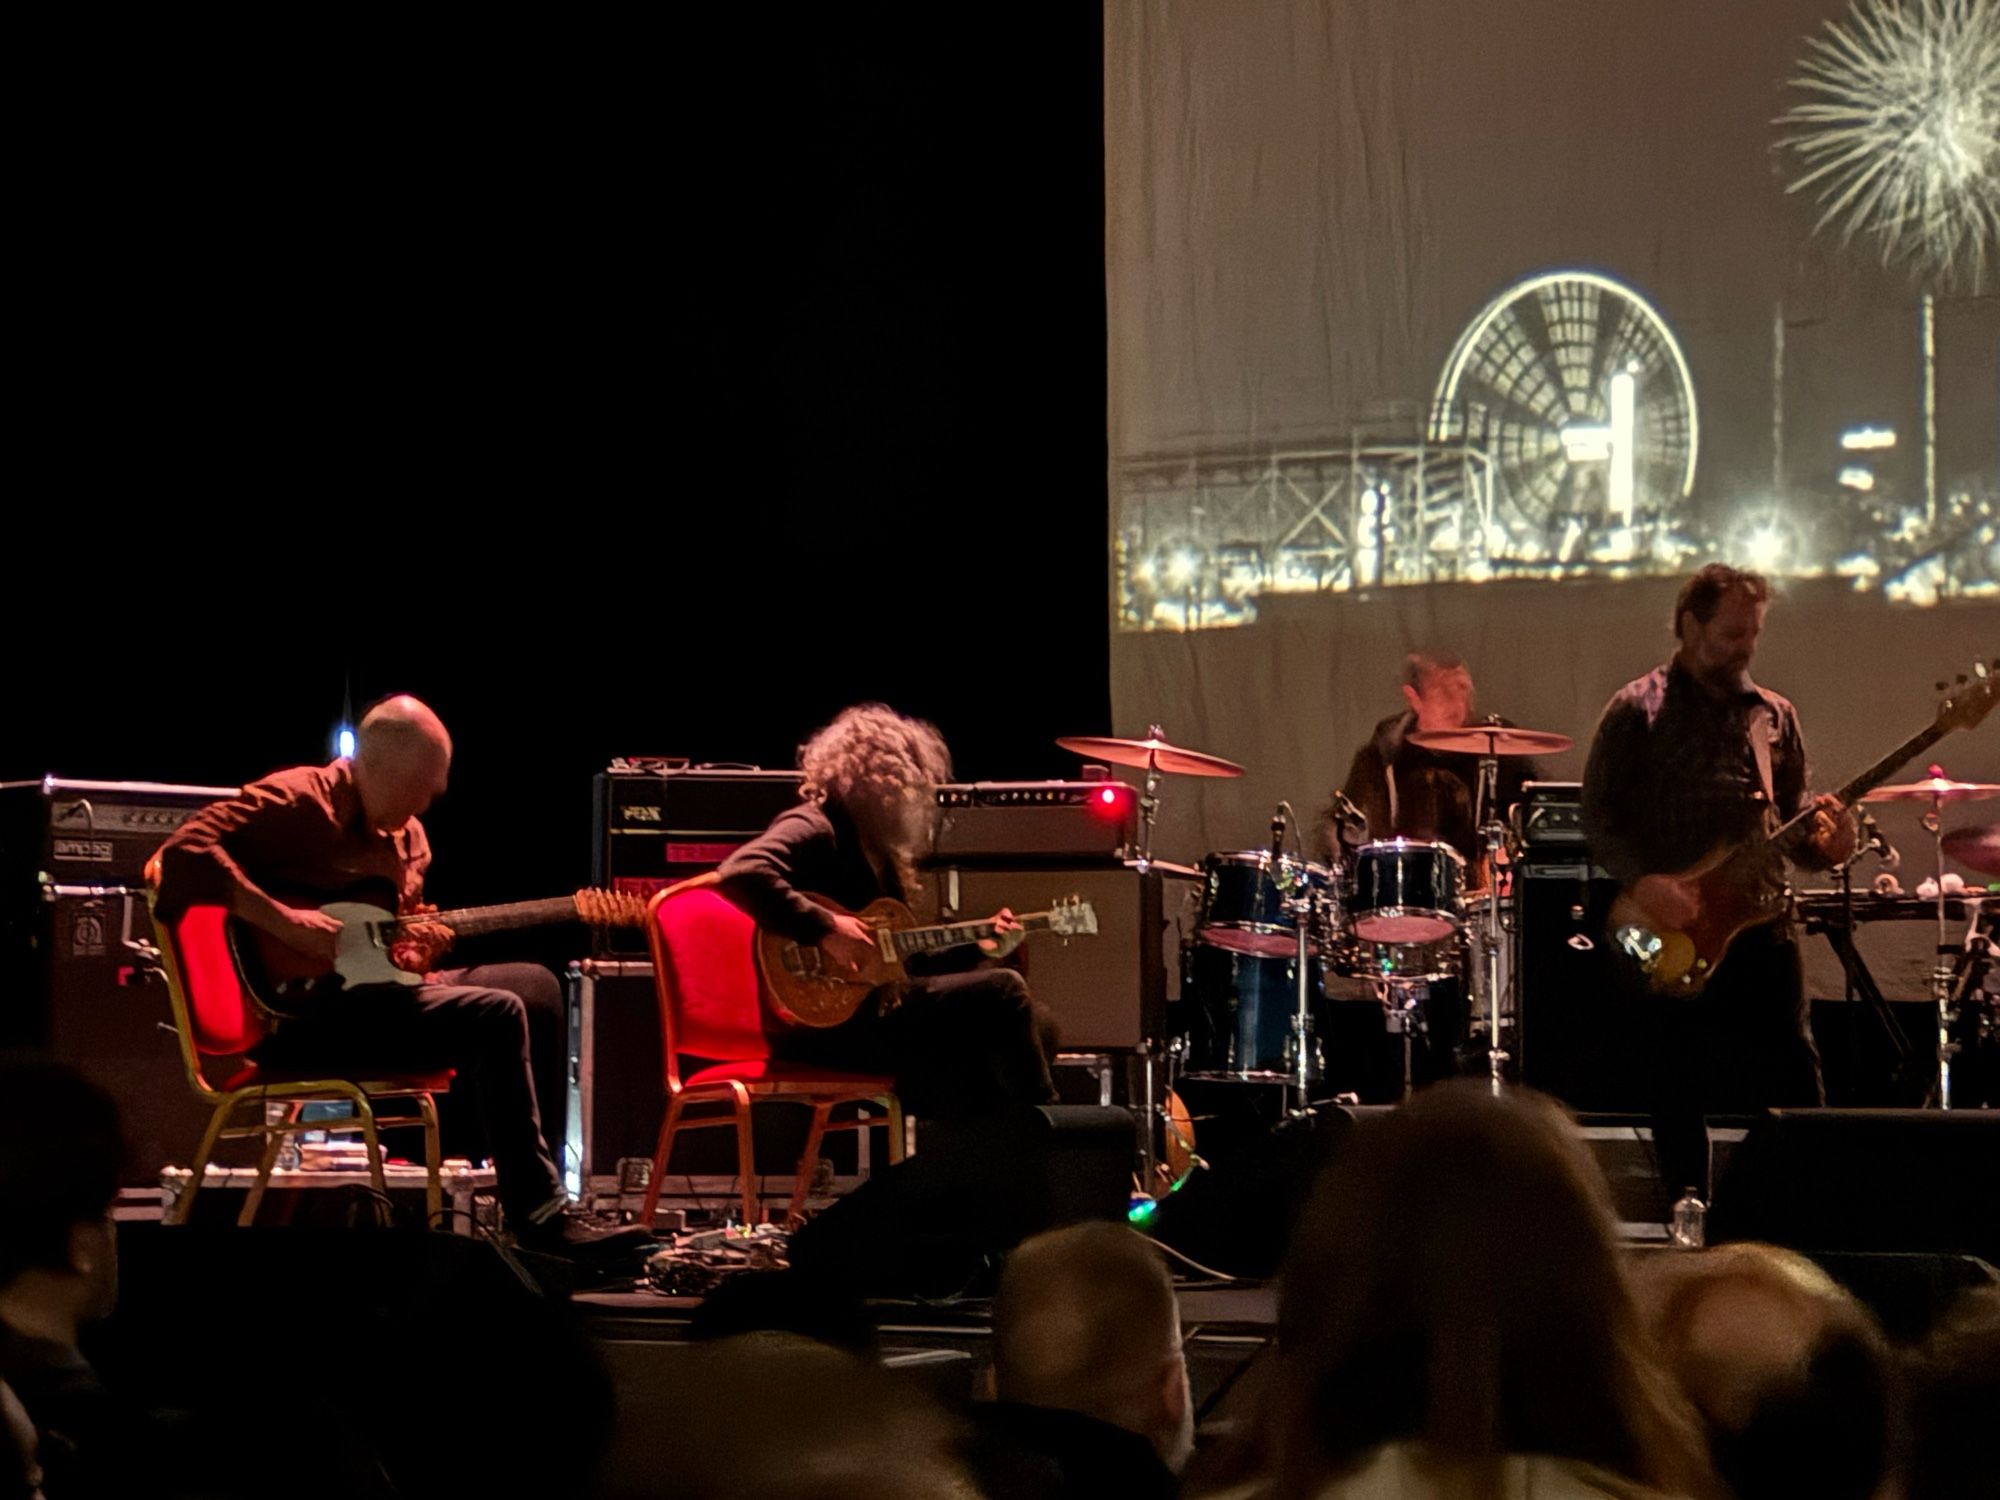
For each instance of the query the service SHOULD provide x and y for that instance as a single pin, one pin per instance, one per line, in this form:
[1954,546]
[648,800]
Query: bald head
[402,759]
[1085,1320]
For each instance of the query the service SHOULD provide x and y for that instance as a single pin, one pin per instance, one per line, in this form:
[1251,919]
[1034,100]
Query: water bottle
[1689,1230]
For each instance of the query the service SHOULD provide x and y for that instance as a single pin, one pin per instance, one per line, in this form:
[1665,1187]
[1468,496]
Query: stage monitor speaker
[1237,1213]
[1109,991]
[930,1225]
[1577,1041]
[1887,1179]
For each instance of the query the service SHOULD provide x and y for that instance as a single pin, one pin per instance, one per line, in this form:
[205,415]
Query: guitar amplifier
[1106,992]
[1018,820]
[91,832]
[1551,814]
[657,822]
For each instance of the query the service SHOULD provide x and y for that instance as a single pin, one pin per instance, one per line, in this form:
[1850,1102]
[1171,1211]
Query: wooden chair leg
[746,1159]
[433,1186]
[662,1150]
[209,1137]
[808,1161]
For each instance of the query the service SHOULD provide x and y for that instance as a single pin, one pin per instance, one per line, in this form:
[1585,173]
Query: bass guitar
[1743,886]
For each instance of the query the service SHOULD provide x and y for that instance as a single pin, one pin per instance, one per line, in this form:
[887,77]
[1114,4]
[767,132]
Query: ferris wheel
[1579,391]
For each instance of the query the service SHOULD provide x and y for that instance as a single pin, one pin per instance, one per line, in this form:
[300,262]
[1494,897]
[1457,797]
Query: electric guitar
[804,987]
[1741,886]
[275,973]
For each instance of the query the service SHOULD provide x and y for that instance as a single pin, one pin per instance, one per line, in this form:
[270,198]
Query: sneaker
[570,1233]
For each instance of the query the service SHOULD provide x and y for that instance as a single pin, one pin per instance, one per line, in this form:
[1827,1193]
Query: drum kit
[1977,848]
[1394,914]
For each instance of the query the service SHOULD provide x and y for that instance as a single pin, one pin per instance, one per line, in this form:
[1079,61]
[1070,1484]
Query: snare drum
[1243,897]
[1354,958]
[1405,892]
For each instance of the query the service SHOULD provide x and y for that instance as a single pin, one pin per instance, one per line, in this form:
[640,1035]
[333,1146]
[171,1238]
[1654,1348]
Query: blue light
[343,742]
[1141,1212]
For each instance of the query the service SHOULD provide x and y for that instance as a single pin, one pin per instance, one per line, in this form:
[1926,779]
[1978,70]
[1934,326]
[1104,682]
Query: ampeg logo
[86,935]
[96,850]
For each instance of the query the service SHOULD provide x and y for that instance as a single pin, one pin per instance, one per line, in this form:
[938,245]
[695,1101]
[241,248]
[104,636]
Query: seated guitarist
[1692,757]
[957,1044]
[323,830]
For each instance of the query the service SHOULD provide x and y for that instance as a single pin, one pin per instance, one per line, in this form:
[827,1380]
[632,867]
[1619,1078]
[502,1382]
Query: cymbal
[1492,739]
[1155,753]
[1975,848]
[1935,789]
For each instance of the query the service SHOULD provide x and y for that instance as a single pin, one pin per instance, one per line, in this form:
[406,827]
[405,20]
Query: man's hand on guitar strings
[849,945]
[308,931]
[419,945]
[1833,832]
[1007,935]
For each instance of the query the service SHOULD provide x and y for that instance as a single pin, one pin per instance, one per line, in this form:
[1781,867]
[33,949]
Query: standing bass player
[1691,758]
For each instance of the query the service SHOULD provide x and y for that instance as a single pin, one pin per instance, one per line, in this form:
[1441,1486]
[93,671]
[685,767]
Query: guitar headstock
[597,908]
[1971,698]
[1073,917]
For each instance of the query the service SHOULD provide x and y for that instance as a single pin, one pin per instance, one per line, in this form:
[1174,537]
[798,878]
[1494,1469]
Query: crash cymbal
[1152,753]
[1975,848]
[1935,789]
[1492,739]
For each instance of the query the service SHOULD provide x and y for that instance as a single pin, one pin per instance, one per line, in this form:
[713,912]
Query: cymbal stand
[1942,975]
[1149,799]
[1493,834]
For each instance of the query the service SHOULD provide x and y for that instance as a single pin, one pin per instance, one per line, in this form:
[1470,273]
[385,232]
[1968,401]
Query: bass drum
[1239,1010]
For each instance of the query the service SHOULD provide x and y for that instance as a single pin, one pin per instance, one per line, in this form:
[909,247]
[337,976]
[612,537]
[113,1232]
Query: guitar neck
[1853,791]
[472,921]
[898,945]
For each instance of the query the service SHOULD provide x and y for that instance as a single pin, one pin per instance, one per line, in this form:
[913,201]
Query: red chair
[214,1016]
[711,1007]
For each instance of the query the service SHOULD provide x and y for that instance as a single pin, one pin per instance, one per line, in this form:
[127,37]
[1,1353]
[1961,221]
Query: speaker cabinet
[1578,1041]
[75,989]
[1867,1180]
[1109,991]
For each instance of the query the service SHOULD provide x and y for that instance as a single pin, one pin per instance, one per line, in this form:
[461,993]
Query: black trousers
[1744,1044]
[958,1045]
[506,1052]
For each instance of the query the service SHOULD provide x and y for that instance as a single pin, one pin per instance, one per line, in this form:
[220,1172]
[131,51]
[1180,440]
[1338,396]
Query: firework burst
[1900,138]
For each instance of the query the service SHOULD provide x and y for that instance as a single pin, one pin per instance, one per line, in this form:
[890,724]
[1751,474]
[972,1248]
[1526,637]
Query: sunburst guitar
[1742,886]
[806,988]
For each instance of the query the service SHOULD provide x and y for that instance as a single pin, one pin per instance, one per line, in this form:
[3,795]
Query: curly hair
[872,747]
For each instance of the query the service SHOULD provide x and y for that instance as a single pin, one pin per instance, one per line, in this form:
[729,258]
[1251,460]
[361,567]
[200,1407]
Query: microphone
[1278,834]
[1873,838]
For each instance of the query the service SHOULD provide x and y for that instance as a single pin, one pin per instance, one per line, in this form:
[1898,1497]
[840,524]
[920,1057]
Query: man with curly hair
[961,1037]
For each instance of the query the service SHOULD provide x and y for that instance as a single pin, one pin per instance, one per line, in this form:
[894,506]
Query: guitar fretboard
[912,940]
[1853,791]
[471,921]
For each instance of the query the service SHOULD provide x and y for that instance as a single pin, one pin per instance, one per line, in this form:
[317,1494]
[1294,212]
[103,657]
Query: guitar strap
[1764,730]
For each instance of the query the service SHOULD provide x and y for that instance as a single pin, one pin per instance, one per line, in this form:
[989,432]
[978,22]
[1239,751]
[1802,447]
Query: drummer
[1406,791]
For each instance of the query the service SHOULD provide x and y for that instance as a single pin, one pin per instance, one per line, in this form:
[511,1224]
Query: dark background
[650,393]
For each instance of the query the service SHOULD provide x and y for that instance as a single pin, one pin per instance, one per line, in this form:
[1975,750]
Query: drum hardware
[1490,741]
[1937,790]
